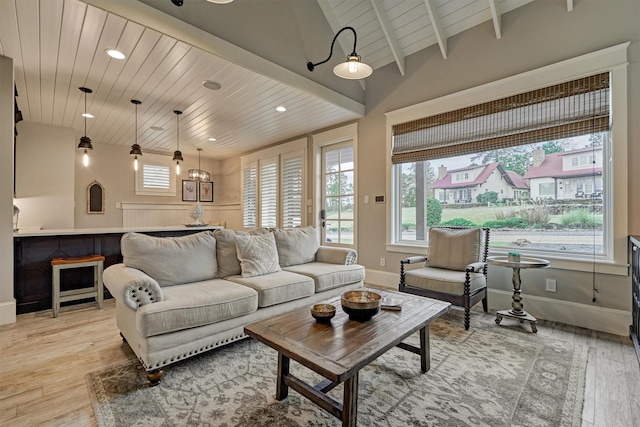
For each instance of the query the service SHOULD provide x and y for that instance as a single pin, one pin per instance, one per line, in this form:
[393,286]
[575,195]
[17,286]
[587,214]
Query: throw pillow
[258,255]
[454,249]
[172,260]
[228,263]
[296,245]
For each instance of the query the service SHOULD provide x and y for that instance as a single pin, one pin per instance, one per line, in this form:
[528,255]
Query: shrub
[507,223]
[434,211]
[459,222]
[580,218]
[537,215]
[488,197]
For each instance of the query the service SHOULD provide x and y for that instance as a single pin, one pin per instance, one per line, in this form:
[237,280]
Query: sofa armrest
[132,286]
[332,255]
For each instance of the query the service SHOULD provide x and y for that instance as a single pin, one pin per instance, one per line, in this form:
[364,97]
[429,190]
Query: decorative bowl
[323,312]
[361,304]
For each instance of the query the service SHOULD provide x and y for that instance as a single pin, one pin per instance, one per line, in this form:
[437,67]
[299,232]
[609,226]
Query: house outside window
[535,179]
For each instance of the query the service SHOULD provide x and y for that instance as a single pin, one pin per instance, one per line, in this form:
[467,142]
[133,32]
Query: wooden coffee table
[339,349]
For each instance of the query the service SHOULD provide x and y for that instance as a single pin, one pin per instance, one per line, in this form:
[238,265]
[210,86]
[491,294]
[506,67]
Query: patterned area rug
[487,376]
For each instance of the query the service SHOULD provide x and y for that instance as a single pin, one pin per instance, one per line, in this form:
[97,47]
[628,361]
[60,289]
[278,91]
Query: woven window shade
[565,110]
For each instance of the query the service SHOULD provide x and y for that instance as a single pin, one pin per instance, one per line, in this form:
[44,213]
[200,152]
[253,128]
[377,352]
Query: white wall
[7,301]
[45,158]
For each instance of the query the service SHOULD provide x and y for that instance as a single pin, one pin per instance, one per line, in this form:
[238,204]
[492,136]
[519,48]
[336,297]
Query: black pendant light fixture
[85,141]
[135,148]
[177,155]
[353,68]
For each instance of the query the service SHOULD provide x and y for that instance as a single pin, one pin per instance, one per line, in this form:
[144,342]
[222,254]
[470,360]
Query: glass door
[338,190]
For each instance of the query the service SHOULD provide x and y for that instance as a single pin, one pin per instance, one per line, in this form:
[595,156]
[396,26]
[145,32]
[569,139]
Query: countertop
[108,230]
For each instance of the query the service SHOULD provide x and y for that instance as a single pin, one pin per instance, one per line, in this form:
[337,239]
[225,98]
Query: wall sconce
[135,148]
[177,155]
[85,141]
[353,68]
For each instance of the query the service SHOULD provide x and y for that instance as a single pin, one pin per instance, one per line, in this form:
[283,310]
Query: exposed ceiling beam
[569,5]
[152,18]
[436,23]
[336,26]
[389,33]
[495,16]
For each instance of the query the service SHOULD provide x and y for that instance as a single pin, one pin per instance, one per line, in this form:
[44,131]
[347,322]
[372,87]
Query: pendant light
[85,141]
[199,174]
[135,148]
[177,155]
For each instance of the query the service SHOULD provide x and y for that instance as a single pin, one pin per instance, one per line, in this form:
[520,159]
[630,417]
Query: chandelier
[199,174]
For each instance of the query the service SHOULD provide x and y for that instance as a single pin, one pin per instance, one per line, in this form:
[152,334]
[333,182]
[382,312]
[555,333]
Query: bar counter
[34,249]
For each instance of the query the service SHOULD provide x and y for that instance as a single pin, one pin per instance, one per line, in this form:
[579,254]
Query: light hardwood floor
[43,363]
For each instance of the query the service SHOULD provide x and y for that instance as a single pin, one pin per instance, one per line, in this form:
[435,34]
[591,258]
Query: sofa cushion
[258,255]
[453,249]
[228,263]
[276,288]
[172,260]
[195,304]
[328,276]
[441,280]
[296,245]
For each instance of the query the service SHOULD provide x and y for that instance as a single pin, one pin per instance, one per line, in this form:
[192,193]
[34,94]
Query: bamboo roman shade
[564,110]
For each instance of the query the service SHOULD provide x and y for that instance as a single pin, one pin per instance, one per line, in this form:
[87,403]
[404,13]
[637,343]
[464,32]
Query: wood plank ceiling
[59,45]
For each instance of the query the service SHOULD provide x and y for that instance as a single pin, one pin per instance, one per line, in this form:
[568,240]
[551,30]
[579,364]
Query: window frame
[613,60]
[155,160]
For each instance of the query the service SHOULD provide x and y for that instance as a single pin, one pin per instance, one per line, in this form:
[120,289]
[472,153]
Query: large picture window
[539,158]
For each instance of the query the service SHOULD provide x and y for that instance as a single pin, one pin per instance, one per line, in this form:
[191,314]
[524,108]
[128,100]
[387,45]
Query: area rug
[487,376]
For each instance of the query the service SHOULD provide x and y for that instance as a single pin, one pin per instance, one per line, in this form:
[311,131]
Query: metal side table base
[524,317]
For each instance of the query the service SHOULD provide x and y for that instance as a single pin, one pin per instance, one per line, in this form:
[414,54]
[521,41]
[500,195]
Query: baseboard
[601,319]
[8,312]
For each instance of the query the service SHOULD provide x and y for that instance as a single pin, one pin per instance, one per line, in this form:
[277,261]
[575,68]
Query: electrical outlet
[382,262]
[551,285]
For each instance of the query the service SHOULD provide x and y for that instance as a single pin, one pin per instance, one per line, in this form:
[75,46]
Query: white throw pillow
[228,264]
[258,255]
[172,260]
[453,249]
[296,245]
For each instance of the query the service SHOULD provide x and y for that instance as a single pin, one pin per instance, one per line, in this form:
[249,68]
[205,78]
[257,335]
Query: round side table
[517,311]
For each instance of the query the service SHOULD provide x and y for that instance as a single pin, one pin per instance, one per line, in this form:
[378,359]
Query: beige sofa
[180,296]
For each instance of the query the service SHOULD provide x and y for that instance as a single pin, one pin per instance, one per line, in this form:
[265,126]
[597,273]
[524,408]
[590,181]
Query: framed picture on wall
[206,191]
[189,191]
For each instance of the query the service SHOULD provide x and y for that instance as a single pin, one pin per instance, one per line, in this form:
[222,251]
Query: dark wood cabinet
[32,264]
[634,328]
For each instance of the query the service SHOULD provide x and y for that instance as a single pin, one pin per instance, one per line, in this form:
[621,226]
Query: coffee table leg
[425,351]
[282,389]
[350,402]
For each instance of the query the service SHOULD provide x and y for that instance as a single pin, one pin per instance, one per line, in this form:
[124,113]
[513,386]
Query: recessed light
[281,109]
[87,115]
[115,54]
[220,1]
[212,139]
[156,128]
[210,84]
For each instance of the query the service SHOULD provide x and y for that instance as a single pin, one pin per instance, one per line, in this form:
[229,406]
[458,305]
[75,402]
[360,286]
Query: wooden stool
[96,291]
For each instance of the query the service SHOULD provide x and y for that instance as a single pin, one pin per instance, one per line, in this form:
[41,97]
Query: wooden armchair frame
[468,299]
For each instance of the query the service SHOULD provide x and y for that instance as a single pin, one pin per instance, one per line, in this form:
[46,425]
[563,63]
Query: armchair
[455,268]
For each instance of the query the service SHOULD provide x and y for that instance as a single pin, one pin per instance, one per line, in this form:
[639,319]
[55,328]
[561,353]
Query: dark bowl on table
[323,312]
[361,304]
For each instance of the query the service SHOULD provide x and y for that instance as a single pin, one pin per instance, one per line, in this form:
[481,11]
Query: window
[273,186]
[155,176]
[543,178]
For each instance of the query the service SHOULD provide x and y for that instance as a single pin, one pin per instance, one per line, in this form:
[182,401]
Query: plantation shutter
[154,176]
[292,190]
[249,196]
[564,110]
[269,192]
